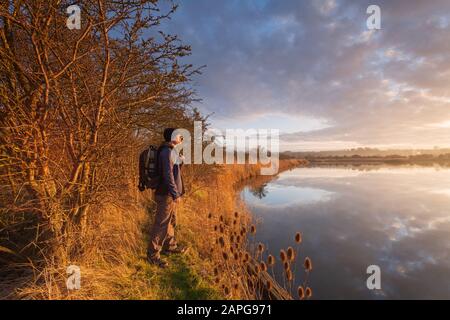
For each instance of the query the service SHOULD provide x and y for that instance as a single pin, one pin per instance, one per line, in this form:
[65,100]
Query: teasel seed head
[260,248]
[301,293]
[210,215]
[271,260]
[289,275]
[298,237]
[308,292]
[222,242]
[222,229]
[269,285]
[216,228]
[283,255]
[238,239]
[221,218]
[226,290]
[246,257]
[236,256]
[236,286]
[308,264]
[263,266]
[253,229]
[257,269]
[231,238]
[286,266]
[225,256]
[291,254]
[216,271]
[236,214]
[249,270]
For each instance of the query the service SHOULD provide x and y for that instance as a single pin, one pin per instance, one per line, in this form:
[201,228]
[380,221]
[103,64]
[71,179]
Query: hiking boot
[176,250]
[158,262]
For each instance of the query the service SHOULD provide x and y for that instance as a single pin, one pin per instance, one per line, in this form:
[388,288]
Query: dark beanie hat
[168,134]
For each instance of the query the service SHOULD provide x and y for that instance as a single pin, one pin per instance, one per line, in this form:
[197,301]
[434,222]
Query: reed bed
[226,239]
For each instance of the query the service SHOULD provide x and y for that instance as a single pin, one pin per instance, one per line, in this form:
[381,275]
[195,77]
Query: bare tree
[75,103]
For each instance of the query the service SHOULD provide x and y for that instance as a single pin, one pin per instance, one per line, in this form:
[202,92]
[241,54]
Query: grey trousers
[162,234]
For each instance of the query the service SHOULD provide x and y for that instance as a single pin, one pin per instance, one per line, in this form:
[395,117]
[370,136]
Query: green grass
[183,283]
[180,281]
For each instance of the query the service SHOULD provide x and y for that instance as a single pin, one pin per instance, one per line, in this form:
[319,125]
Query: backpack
[149,176]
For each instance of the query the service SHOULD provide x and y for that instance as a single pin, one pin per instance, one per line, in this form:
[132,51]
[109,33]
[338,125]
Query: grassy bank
[113,264]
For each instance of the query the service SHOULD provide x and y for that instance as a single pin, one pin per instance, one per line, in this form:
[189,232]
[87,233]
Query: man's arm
[167,173]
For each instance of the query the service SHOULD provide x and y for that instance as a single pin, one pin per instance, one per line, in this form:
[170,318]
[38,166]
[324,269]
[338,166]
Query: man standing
[167,196]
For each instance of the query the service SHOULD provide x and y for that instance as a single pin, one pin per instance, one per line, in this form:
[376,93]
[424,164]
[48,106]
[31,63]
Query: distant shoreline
[377,161]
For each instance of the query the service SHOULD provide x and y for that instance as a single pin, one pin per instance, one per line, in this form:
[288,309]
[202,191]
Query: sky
[313,70]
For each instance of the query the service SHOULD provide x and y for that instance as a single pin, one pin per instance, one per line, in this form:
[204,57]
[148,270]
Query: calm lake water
[395,217]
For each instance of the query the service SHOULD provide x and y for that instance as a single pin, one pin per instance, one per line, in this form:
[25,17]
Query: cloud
[317,60]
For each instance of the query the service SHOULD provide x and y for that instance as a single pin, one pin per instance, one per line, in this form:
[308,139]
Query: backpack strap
[158,151]
[147,159]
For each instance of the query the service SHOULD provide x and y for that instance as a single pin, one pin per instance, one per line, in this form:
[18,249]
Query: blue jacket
[169,166]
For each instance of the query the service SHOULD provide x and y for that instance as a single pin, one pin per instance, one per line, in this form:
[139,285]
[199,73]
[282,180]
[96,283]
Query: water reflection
[397,218]
[285,195]
[259,191]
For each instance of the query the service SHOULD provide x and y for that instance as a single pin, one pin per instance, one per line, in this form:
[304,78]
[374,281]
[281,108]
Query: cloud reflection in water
[397,218]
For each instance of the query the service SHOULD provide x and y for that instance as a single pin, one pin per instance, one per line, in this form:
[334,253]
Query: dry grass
[218,226]
[112,253]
